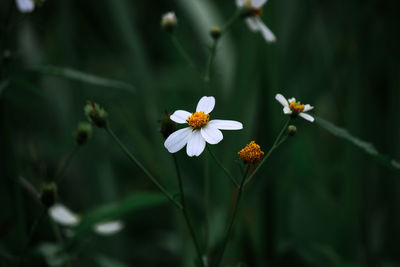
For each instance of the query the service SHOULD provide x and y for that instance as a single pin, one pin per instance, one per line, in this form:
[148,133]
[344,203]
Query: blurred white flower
[168,20]
[253,20]
[25,6]
[62,215]
[294,108]
[200,130]
[108,228]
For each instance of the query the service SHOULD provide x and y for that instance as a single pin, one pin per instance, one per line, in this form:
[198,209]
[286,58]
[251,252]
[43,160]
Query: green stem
[213,46]
[183,52]
[31,233]
[185,214]
[230,176]
[235,210]
[231,21]
[146,172]
[278,141]
[213,49]
[66,163]
[207,181]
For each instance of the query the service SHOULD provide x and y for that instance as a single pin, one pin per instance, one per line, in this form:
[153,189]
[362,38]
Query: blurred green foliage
[318,201]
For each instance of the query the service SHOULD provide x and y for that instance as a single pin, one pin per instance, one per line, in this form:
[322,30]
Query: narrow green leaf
[83,77]
[367,147]
[105,261]
[117,210]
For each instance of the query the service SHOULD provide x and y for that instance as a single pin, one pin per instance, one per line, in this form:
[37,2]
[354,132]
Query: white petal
[180,116]
[108,228]
[62,215]
[257,3]
[307,108]
[306,116]
[267,33]
[25,6]
[226,124]
[291,99]
[206,104]
[281,99]
[196,144]
[287,110]
[252,23]
[177,140]
[211,134]
[239,3]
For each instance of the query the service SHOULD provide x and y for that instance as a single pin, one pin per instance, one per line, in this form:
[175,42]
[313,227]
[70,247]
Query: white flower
[253,19]
[294,108]
[25,6]
[200,130]
[108,228]
[169,19]
[62,215]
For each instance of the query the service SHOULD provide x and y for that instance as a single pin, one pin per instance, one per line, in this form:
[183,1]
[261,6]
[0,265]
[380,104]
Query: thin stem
[213,49]
[184,212]
[66,163]
[277,143]
[231,21]
[146,172]
[207,195]
[235,210]
[213,46]
[183,52]
[32,232]
[230,176]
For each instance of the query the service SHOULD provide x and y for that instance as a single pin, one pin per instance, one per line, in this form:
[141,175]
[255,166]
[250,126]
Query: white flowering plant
[193,154]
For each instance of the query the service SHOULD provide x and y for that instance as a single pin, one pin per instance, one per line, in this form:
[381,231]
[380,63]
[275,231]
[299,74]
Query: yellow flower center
[198,120]
[253,11]
[296,107]
[251,153]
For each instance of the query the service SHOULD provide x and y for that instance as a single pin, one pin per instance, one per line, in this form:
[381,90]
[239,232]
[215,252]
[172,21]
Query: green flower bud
[6,54]
[292,130]
[167,125]
[215,32]
[48,194]
[96,114]
[83,133]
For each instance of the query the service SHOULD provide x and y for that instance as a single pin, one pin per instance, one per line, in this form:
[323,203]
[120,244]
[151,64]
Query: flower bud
[292,130]
[48,194]
[167,125]
[96,114]
[215,32]
[169,21]
[6,54]
[83,133]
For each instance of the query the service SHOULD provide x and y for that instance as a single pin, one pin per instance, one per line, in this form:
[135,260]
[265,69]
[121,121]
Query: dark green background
[318,201]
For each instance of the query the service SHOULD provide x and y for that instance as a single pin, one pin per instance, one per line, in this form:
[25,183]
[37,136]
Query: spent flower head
[251,153]
[292,130]
[96,114]
[169,21]
[215,32]
[293,108]
[48,194]
[83,133]
[201,129]
[252,13]
[167,125]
